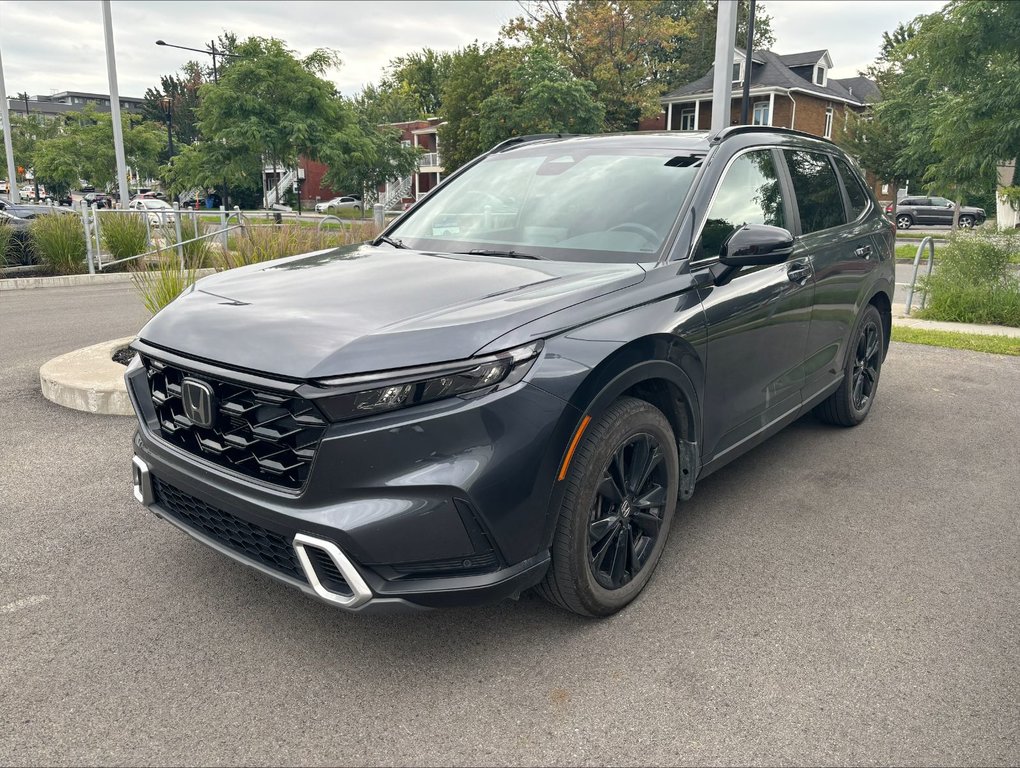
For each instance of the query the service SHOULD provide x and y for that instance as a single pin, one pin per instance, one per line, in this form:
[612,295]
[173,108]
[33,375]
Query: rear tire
[849,405]
[903,221]
[618,503]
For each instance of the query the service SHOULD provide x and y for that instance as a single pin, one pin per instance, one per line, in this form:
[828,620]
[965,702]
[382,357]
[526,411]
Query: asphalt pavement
[833,597]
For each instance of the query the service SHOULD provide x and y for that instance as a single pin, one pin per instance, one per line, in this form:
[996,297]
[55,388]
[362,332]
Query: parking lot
[833,597]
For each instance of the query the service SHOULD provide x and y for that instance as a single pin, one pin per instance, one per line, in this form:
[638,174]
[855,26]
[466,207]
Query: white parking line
[24,602]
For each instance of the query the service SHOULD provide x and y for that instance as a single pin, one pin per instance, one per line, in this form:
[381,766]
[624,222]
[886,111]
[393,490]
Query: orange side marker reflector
[573,446]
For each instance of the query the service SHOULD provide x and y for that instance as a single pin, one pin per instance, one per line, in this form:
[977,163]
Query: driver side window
[750,193]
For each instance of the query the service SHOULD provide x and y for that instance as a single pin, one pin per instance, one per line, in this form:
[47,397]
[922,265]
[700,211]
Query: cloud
[54,46]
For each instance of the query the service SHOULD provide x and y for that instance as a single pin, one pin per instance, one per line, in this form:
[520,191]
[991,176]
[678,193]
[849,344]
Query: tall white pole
[12,177]
[722,84]
[118,129]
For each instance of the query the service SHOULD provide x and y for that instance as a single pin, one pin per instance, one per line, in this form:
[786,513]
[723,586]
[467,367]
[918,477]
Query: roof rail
[737,130]
[515,140]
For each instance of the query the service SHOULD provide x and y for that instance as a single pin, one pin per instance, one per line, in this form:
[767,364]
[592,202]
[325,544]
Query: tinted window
[749,194]
[941,202]
[854,190]
[818,199]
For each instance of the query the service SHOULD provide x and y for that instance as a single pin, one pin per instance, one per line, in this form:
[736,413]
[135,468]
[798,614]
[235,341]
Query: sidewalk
[936,325]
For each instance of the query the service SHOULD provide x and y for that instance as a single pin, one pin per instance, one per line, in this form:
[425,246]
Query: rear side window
[817,189]
[854,190]
[749,193]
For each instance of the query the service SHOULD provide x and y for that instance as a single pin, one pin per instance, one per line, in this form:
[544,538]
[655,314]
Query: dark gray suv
[516,384]
[934,211]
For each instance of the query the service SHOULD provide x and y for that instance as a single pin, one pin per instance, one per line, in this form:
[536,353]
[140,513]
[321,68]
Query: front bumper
[418,509]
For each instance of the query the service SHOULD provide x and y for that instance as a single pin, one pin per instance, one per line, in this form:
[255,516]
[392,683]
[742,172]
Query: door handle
[799,272]
[864,252]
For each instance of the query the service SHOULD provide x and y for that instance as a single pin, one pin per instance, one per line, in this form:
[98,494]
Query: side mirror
[752,245]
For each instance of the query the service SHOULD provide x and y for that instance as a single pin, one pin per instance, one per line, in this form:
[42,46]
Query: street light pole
[210,51]
[118,129]
[5,117]
[35,179]
[168,109]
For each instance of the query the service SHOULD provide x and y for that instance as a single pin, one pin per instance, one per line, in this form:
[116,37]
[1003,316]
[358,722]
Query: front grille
[253,541]
[270,436]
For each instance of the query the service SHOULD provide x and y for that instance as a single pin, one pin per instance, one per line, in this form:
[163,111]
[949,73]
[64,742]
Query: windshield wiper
[508,254]
[396,243]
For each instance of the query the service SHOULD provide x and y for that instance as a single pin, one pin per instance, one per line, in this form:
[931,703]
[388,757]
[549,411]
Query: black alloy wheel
[849,405]
[627,512]
[867,360]
[617,505]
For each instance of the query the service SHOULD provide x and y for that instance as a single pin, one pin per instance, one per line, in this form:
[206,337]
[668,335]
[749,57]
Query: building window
[761,113]
[736,72]
[819,75]
[827,133]
[687,120]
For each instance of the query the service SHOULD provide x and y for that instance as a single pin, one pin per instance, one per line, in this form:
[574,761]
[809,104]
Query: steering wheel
[638,229]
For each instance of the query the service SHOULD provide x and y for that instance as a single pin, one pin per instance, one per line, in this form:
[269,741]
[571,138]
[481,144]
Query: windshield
[558,201]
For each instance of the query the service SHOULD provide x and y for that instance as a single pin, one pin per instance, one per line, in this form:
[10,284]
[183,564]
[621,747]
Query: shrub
[196,254]
[124,234]
[974,282]
[162,282]
[59,242]
[7,245]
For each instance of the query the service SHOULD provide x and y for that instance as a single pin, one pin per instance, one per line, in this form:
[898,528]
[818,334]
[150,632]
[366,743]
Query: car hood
[366,308]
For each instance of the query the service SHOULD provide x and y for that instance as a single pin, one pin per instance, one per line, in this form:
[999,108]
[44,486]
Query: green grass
[6,242]
[999,345]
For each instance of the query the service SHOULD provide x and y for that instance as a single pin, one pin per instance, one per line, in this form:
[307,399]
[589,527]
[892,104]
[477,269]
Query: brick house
[416,133]
[791,91]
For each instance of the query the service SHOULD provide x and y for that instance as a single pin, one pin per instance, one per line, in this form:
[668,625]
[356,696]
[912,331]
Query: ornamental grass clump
[59,243]
[162,281]
[973,281]
[123,234]
[7,244]
[257,244]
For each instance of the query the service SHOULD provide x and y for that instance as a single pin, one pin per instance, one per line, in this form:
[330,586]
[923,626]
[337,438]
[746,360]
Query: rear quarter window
[855,191]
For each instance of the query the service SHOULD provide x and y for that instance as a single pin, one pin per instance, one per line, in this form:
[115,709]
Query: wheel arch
[881,301]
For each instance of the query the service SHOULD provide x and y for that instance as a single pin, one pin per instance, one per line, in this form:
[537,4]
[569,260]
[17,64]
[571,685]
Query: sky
[50,46]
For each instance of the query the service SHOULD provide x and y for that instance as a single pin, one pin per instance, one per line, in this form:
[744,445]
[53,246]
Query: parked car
[468,406]
[157,209]
[99,199]
[337,203]
[934,212]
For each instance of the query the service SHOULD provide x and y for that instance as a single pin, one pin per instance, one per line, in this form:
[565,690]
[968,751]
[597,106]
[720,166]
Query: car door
[941,211]
[757,323]
[836,234]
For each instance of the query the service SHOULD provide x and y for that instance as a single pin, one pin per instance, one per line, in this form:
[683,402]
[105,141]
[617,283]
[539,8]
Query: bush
[59,243]
[124,234]
[7,245]
[974,282]
[163,282]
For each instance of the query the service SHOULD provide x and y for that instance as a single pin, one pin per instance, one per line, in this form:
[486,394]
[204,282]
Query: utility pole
[745,102]
[722,84]
[118,129]
[12,177]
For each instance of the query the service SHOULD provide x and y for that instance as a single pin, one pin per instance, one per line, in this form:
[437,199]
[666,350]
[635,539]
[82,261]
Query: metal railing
[930,243]
[430,160]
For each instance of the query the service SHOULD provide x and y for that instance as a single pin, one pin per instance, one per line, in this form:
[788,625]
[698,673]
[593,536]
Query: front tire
[618,503]
[849,405]
[967,222]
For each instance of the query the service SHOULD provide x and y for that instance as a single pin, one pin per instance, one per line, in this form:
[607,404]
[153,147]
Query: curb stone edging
[88,380]
[67,281]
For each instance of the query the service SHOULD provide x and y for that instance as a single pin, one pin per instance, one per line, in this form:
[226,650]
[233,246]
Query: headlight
[353,397]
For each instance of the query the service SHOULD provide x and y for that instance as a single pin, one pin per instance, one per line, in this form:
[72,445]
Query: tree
[420,76]
[182,90]
[610,43]
[496,92]
[269,102]
[691,53]
[386,105]
[82,148]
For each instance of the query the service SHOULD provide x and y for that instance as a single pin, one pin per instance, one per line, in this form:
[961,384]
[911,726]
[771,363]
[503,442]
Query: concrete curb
[68,281]
[88,380]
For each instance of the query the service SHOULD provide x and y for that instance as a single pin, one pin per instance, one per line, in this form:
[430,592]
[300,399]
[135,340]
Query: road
[833,597]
